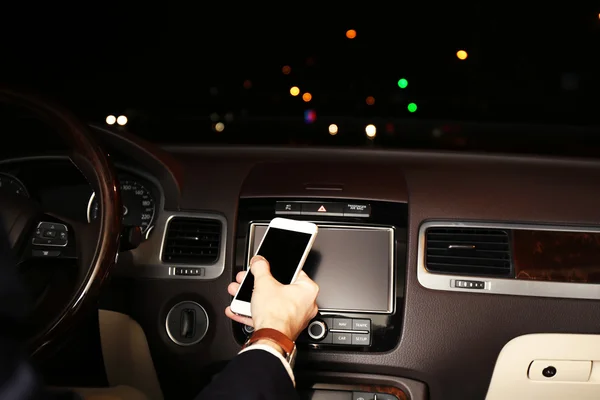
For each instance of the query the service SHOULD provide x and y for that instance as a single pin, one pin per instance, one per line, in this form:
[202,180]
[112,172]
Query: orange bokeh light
[351,34]
[370,100]
[307,97]
[286,70]
[462,55]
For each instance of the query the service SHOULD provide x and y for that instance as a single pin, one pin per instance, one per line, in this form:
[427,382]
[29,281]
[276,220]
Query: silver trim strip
[200,336]
[503,286]
[346,331]
[392,257]
[146,261]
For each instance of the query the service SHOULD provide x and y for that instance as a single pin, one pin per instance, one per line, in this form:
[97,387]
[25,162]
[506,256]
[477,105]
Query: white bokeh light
[333,129]
[122,120]
[371,131]
[111,119]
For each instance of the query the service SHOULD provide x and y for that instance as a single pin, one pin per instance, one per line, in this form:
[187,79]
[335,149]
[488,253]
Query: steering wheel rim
[94,164]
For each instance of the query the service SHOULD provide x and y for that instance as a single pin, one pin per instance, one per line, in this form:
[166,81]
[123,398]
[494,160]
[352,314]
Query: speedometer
[10,184]
[138,205]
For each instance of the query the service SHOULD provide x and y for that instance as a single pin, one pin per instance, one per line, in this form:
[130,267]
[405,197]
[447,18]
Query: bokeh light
[371,131]
[286,70]
[310,116]
[111,119]
[350,33]
[247,84]
[307,97]
[219,127]
[333,129]
[462,55]
[370,100]
[295,91]
[412,107]
[402,83]
[122,120]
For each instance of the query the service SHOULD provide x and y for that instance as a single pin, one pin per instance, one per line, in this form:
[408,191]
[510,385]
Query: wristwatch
[287,345]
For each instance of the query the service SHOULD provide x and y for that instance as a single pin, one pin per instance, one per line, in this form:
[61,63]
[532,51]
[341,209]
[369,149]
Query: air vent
[468,251]
[194,241]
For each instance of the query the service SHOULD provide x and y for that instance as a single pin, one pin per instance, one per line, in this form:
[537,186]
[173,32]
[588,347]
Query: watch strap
[273,335]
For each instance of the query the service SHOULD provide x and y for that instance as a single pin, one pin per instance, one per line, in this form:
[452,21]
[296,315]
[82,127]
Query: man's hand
[286,308]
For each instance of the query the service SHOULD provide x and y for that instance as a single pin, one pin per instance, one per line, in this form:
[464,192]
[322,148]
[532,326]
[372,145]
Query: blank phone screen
[283,250]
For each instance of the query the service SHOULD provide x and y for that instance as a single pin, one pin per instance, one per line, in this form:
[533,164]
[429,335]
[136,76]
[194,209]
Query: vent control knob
[317,330]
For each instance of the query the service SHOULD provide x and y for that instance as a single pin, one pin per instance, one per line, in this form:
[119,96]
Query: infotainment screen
[354,267]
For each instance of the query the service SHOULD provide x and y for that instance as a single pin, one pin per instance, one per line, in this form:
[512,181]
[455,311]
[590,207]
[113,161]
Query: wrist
[272,344]
[279,326]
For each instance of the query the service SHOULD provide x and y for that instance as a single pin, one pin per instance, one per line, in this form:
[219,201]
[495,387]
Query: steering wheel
[36,234]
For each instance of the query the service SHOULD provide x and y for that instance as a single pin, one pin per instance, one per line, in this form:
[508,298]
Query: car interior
[461,265]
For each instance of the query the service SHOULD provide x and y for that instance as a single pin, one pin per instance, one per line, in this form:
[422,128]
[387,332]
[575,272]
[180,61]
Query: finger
[305,280]
[238,318]
[260,267]
[233,288]
[240,276]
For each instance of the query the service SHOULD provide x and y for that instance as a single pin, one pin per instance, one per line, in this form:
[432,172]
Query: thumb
[260,267]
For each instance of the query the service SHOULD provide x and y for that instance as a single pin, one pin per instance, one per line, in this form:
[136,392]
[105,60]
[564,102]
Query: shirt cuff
[277,354]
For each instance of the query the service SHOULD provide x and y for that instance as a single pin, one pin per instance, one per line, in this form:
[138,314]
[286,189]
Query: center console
[358,260]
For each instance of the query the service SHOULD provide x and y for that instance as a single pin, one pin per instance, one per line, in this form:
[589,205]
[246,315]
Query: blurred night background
[458,75]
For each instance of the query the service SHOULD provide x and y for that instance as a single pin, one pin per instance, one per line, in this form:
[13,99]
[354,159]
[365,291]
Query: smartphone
[285,245]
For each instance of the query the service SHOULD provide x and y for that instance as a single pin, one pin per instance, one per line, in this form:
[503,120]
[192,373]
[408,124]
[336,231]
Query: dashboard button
[52,226]
[317,330]
[357,210]
[342,323]
[360,339]
[329,209]
[288,208]
[361,325]
[342,338]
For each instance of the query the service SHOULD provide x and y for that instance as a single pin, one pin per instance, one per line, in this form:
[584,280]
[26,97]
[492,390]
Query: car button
[288,208]
[329,209]
[357,210]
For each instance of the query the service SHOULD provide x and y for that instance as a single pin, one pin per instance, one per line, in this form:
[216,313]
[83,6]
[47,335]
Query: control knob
[317,330]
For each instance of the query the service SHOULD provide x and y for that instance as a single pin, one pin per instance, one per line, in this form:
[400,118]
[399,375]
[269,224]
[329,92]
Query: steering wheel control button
[361,325]
[317,330]
[45,253]
[342,324]
[187,323]
[248,330]
[363,396]
[51,234]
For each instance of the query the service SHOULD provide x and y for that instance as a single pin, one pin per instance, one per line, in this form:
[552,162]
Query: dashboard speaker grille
[468,251]
[194,241]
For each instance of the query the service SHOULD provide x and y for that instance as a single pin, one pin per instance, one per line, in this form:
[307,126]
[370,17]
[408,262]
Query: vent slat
[468,251]
[193,241]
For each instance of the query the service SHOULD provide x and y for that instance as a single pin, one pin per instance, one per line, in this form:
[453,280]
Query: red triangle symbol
[322,209]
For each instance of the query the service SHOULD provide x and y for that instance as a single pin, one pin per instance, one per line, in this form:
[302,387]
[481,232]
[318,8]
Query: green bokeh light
[412,107]
[402,83]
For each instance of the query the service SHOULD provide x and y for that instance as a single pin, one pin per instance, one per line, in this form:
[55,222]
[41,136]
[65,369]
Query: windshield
[403,75]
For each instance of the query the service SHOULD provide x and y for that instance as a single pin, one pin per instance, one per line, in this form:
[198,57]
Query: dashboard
[60,188]
[432,320]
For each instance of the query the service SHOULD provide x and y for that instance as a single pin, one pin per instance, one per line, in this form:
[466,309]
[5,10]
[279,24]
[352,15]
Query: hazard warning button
[329,209]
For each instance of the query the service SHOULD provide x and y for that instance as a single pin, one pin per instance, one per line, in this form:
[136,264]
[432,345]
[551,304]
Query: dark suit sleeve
[252,375]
